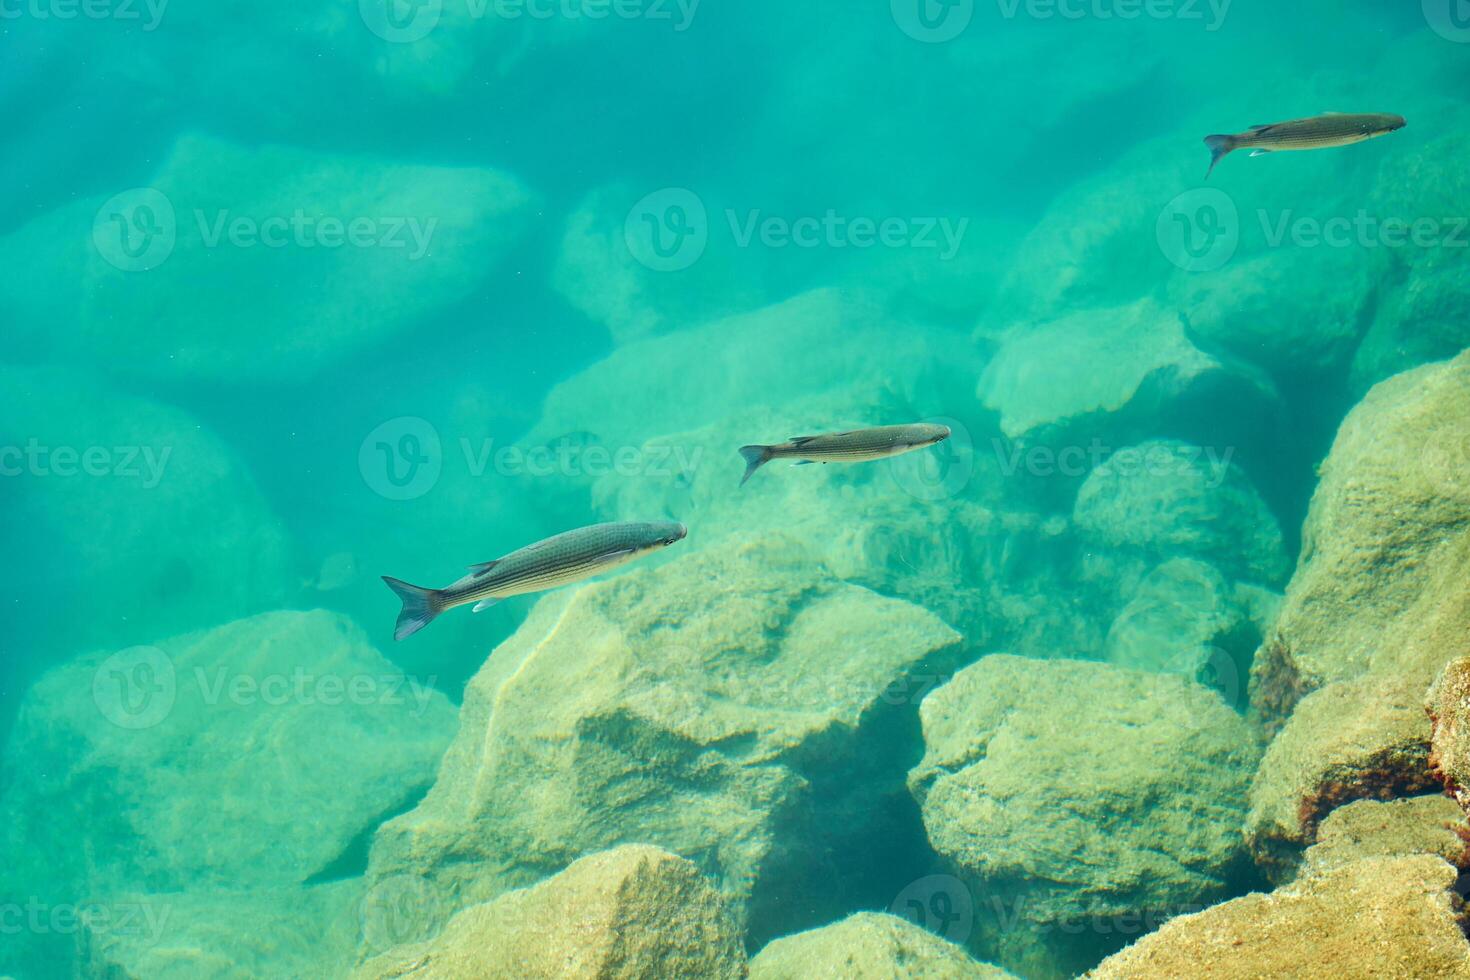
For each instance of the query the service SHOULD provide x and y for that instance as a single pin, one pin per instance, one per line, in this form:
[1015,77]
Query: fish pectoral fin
[484,604]
[483,567]
[806,462]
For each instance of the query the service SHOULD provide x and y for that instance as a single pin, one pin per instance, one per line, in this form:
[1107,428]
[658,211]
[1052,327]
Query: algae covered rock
[1393,828]
[1378,605]
[1165,498]
[869,946]
[1372,918]
[627,913]
[738,706]
[821,341]
[300,257]
[1186,619]
[247,757]
[1120,373]
[102,486]
[291,931]
[616,266]
[1448,707]
[1068,794]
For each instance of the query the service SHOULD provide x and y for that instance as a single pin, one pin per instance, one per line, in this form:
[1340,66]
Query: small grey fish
[1322,132]
[858,446]
[560,560]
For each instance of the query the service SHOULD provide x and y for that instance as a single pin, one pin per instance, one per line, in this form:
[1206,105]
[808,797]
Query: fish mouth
[679,533]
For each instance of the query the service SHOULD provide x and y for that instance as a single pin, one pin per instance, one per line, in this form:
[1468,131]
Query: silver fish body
[1317,133]
[560,560]
[856,446]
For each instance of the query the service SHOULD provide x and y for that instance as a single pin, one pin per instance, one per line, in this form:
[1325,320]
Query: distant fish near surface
[858,446]
[1318,133]
[560,560]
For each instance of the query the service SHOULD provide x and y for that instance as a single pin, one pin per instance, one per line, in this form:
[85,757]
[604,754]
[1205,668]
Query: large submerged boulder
[249,757]
[129,509]
[1165,498]
[1070,794]
[738,706]
[631,912]
[1119,374]
[301,258]
[1379,603]
[869,946]
[1372,918]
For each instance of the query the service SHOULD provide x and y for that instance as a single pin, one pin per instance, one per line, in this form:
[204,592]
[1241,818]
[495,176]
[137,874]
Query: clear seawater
[283,281]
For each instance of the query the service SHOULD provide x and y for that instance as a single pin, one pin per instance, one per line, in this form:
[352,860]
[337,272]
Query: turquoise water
[298,298]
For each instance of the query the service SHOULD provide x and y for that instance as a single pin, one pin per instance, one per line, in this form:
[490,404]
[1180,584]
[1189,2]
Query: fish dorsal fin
[801,440]
[483,567]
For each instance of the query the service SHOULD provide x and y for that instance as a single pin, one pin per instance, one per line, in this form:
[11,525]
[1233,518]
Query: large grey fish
[1318,133]
[560,560]
[857,446]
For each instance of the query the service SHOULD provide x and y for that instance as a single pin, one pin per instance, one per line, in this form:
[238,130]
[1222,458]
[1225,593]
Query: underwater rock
[1376,917]
[282,932]
[631,912]
[1116,375]
[104,487]
[1165,498]
[635,295]
[1292,311]
[1379,603]
[738,706]
[1071,796]
[869,946]
[302,258]
[1448,707]
[827,340]
[1395,828]
[1185,618]
[1425,316]
[251,756]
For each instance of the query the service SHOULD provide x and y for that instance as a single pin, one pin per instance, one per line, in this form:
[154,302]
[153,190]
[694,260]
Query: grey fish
[1317,133]
[560,560]
[857,446]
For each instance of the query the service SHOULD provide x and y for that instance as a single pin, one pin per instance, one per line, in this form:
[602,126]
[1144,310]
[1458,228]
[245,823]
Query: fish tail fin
[420,606]
[1219,146]
[755,457]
